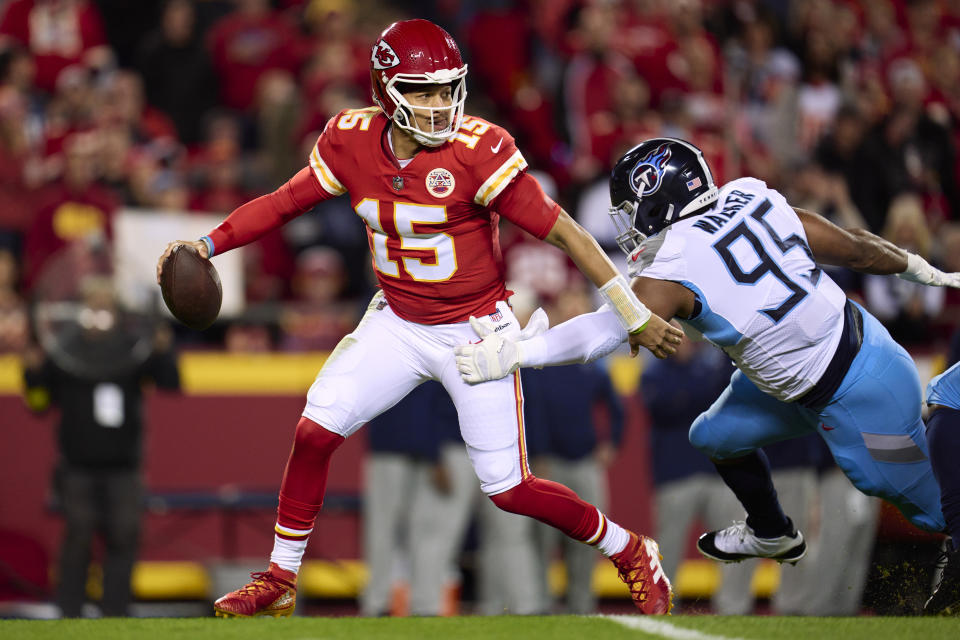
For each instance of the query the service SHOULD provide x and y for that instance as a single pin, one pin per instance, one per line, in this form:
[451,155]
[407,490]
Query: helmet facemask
[629,238]
[403,113]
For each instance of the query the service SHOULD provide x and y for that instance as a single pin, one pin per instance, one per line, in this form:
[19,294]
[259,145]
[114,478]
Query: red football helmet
[418,51]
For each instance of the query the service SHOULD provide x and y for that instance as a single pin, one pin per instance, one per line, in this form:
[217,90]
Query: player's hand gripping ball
[191,287]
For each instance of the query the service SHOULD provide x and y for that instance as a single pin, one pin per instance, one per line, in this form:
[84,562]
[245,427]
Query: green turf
[489,628]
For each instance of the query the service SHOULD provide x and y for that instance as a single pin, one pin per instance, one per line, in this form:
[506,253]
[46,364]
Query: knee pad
[498,470]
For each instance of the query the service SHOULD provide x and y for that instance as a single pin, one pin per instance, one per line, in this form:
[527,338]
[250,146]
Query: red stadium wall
[221,445]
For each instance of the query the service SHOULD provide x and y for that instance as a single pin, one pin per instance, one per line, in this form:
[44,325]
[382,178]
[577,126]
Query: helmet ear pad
[650,214]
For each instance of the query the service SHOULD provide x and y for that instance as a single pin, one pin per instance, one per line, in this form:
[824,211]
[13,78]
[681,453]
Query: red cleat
[271,593]
[639,567]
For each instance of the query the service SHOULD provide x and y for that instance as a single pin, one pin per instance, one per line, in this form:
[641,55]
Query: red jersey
[57,34]
[431,225]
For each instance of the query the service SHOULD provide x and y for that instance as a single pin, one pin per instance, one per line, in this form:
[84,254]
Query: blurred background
[124,125]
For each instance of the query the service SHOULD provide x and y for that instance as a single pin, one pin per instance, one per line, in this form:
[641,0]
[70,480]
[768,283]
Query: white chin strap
[402,117]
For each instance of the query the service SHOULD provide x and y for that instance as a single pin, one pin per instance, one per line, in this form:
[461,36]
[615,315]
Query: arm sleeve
[582,339]
[525,204]
[254,219]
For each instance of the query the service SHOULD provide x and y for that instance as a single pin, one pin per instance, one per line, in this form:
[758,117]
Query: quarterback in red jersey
[430,183]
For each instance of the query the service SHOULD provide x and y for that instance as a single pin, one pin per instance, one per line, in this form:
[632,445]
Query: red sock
[552,503]
[305,478]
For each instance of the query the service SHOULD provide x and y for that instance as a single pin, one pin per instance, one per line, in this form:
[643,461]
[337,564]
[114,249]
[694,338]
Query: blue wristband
[207,241]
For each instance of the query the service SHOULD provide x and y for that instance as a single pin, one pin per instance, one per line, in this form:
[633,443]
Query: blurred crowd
[848,107]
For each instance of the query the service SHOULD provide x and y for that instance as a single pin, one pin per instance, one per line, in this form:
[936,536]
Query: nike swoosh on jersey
[826,428]
[495,149]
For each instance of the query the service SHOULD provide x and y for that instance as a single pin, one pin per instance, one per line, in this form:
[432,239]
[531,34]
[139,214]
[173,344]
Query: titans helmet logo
[647,176]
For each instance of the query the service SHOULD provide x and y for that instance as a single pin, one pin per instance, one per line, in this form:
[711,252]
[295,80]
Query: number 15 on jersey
[390,260]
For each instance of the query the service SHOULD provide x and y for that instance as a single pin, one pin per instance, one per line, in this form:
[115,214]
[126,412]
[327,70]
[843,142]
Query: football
[191,287]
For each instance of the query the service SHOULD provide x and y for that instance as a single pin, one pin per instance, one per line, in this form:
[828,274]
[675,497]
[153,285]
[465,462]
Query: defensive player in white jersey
[739,266]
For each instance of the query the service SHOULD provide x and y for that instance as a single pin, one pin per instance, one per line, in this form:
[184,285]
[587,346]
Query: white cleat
[738,542]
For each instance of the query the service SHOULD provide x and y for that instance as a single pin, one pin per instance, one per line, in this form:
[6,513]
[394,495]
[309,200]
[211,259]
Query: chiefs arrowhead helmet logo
[384,57]
[647,176]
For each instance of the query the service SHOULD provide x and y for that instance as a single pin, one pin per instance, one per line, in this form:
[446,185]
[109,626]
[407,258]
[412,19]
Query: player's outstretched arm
[860,250]
[645,329]
[250,221]
[581,339]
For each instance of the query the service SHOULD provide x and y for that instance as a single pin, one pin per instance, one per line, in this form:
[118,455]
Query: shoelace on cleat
[262,581]
[634,578]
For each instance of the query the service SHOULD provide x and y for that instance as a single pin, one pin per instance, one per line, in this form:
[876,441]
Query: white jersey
[761,297]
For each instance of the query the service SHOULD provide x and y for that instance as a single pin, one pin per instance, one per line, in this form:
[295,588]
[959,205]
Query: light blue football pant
[872,426]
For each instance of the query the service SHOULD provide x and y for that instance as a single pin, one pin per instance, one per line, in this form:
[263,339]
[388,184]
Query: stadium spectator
[319,316]
[413,524]
[840,552]
[14,326]
[246,44]
[592,77]
[177,72]
[17,161]
[505,557]
[337,50]
[74,208]
[278,107]
[948,252]
[838,150]
[122,102]
[97,383]
[815,189]
[675,391]
[420,498]
[793,469]
[219,183]
[563,404]
[59,34]
[765,76]
[907,309]
[907,151]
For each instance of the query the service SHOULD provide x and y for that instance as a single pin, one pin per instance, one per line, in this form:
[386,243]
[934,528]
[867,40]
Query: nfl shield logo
[496,316]
[397,183]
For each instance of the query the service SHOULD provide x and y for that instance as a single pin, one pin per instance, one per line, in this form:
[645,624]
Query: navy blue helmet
[655,184]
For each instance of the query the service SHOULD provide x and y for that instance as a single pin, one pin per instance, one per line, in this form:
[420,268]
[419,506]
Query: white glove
[919,270]
[495,356]
[490,359]
[537,324]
